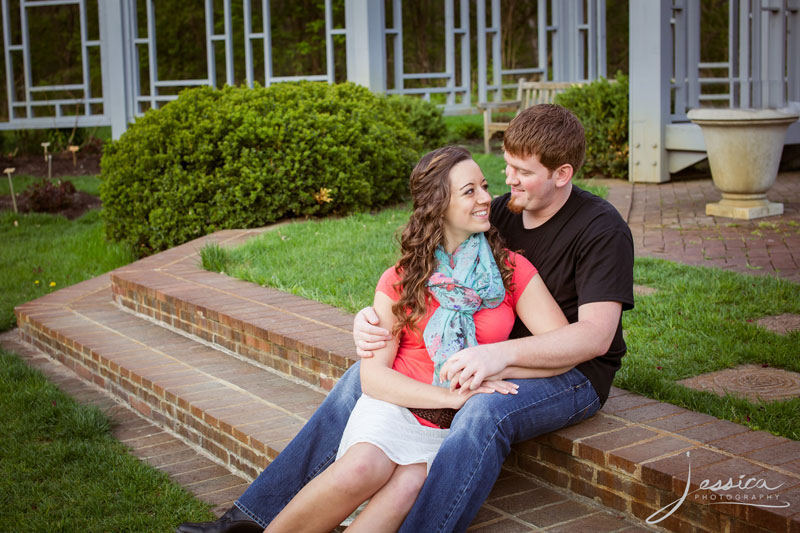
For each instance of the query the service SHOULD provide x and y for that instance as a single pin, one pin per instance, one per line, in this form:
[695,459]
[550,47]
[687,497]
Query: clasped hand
[471,370]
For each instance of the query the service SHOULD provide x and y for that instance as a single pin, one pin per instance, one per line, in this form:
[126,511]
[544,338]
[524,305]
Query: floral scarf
[463,284]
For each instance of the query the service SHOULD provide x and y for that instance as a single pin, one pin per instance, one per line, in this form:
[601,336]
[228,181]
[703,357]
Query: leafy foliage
[424,118]
[239,157]
[602,107]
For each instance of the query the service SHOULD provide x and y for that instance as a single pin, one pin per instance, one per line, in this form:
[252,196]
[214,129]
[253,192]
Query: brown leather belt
[441,417]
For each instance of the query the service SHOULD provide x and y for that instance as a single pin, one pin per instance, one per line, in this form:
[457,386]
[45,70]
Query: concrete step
[214,378]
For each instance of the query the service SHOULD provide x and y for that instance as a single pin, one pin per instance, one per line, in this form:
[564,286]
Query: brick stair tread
[545,507]
[163,374]
[303,338]
[632,456]
[245,402]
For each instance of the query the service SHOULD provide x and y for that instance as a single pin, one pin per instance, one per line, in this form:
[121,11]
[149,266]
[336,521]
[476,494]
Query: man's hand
[367,335]
[470,367]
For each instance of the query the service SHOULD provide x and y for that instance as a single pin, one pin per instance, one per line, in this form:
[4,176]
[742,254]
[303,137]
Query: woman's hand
[461,396]
[498,385]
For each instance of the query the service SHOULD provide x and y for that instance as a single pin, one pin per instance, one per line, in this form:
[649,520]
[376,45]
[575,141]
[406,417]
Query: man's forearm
[545,354]
[519,372]
[589,337]
[560,349]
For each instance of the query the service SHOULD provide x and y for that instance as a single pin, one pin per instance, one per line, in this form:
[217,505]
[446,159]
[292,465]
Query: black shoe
[233,521]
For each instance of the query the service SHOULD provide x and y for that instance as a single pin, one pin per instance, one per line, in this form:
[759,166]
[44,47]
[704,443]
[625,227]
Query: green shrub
[239,157]
[423,118]
[463,128]
[602,108]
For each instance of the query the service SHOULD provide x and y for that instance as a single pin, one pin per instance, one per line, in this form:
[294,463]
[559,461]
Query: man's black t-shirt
[584,254]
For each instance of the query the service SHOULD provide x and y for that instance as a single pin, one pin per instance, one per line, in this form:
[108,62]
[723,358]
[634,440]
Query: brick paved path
[668,221]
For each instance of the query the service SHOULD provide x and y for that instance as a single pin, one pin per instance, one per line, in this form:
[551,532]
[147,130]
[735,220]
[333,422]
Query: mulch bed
[62,168]
[35,165]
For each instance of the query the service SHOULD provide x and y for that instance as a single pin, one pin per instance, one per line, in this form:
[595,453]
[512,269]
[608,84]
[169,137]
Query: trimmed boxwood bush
[424,118]
[240,157]
[602,108]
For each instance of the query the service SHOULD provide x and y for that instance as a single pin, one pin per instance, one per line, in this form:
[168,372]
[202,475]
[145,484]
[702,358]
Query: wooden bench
[528,93]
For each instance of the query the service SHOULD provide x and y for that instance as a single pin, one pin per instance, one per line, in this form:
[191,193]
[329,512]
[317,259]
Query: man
[584,252]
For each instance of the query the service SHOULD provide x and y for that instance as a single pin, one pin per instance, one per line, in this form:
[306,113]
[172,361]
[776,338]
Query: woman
[454,286]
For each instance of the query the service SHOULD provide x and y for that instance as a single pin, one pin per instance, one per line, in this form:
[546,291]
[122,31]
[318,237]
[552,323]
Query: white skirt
[394,430]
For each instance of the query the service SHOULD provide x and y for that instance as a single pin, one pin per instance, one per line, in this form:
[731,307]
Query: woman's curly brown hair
[430,191]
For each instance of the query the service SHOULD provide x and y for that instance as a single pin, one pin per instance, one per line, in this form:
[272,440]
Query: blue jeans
[466,466]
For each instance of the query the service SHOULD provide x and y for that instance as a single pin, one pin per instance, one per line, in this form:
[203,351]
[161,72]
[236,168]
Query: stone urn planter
[744,150]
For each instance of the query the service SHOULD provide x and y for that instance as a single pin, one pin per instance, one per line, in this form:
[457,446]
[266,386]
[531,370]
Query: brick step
[302,338]
[631,457]
[235,411]
[203,477]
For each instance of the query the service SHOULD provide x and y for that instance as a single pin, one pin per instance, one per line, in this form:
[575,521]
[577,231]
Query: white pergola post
[567,58]
[649,106]
[116,82]
[366,47]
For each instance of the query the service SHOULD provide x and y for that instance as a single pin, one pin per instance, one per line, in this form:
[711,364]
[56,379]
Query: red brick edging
[631,456]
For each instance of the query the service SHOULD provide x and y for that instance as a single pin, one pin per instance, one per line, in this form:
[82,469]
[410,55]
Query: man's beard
[513,206]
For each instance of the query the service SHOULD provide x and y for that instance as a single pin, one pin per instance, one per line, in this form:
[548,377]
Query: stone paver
[781,324]
[753,382]
[668,221]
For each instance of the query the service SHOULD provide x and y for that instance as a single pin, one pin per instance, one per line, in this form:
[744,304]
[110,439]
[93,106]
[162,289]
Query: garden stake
[45,145]
[8,172]
[74,149]
[49,166]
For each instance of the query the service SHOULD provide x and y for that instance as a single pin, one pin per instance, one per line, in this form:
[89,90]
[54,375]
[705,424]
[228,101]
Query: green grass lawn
[704,319]
[42,253]
[61,470]
[700,320]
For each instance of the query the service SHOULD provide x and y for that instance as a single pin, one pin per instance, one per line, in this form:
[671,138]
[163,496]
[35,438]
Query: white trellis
[570,33]
[576,29]
[26,112]
[667,76]
[121,47]
[457,43]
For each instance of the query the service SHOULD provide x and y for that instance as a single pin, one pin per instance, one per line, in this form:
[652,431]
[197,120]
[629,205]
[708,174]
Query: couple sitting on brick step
[435,343]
